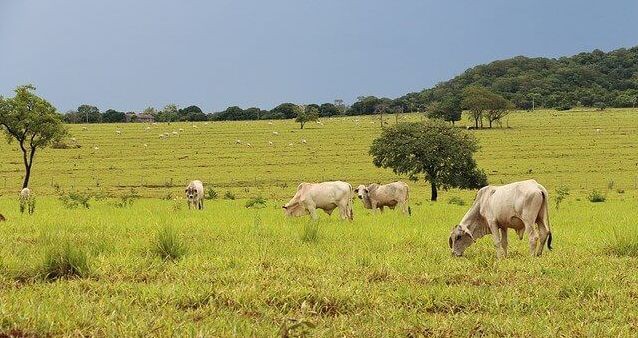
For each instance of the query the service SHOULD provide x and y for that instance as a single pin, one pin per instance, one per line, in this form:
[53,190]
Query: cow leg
[381,208]
[504,241]
[542,239]
[496,236]
[313,212]
[533,239]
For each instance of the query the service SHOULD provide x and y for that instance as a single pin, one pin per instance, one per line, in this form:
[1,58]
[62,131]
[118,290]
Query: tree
[32,122]
[168,114]
[499,107]
[476,100]
[89,114]
[113,116]
[191,113]
[434,149]
[307,114]
[328,109]
[448,109]
[380,109]
[284,111]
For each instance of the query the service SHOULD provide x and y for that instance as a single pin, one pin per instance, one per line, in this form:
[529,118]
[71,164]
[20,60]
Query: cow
[376,196]
[195,194]
[518,206]
[326,196]
[27,201]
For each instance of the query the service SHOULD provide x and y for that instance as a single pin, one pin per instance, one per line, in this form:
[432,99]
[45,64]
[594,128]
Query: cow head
[294,209]
[191,192]
[361,191]
[460,239]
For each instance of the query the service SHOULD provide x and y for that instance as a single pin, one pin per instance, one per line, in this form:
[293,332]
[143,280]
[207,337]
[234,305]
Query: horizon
[214,55]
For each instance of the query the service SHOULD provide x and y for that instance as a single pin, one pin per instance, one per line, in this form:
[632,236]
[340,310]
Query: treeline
[486,92]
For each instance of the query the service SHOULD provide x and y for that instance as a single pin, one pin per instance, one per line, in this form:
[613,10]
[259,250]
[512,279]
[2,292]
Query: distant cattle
[27,201]
[326,196]
[387,195]
[195,194]
[517,205]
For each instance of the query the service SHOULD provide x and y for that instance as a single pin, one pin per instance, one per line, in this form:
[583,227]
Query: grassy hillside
[252,272]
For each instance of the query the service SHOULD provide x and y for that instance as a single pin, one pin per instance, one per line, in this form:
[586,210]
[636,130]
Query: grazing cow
[195,194]
[326,196]
[388,195]
[27,201]
[518,205]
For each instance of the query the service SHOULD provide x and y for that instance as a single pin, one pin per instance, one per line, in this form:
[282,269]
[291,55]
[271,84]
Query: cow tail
[350,203]
[407,199]
[545,215]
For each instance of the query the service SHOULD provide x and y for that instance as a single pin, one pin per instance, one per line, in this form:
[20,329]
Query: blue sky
[129,55]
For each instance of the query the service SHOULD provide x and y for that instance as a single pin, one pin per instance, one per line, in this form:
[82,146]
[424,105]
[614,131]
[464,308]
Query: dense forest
[595,79]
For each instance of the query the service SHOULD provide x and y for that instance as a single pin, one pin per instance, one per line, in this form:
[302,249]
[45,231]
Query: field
[252,272]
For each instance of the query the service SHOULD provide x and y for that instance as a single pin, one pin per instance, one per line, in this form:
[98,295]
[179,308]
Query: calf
[388,195]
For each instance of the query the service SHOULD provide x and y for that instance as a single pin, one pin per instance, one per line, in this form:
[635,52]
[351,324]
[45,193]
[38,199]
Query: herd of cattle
[521,206]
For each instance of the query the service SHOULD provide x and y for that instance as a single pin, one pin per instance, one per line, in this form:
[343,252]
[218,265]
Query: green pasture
[252,272]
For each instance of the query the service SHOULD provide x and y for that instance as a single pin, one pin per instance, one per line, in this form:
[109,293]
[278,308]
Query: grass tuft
[65,261]
[623,244]
[310,233]
[168,246]
[596,197]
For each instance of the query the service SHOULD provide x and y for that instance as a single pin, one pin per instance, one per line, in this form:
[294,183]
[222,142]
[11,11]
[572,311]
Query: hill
[586,79]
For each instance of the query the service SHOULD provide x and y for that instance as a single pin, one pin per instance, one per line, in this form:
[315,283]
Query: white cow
[388,195]
[195,194]
[518,205]
[326,196]
[27,201]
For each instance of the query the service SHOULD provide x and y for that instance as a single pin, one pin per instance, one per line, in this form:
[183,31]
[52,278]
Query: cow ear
[356,190]
[283,206]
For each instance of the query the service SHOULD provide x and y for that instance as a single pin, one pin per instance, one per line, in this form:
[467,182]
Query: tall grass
[310,232]
[65,261]
[623,243]
[168,246]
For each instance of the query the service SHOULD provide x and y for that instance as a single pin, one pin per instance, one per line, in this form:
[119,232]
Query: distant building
[139,117]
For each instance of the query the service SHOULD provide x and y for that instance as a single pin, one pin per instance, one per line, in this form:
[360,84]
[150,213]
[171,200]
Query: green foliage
[307,114]
[229,195]
[434,149]
[596,197]
[562,191]
[448,109]
[484,104]
[127,199]
[283,111]
[65,261]
[256,202]
[168,246]
[191,113]
[113,116]
[583,79]
[367,105]
[211,194]
[170,113]
[600,105]
[456,200]
[75,199]
[32,122]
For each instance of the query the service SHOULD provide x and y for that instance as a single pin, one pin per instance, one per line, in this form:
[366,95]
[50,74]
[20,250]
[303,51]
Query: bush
[561,193]
[65,261]
[256,202]
[211,194]
[596,197]
[168,246]
[456,201]
[75,199]
[600,106]
[229,195]
[127,199]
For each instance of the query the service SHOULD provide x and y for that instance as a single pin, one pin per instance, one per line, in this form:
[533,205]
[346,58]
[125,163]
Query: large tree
[89,113]
[448,109]
[434,149]
[477,100]
[32,122]
[113,116]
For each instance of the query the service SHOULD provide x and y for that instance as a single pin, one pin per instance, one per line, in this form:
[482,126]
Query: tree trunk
[476,122]
[301,124]
[490,124]
[27,175]
[435,194]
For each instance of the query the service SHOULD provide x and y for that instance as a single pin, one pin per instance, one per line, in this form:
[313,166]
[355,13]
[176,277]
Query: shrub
[229,195]
[561,193]
[456,201]
[127,199]
[596,197]
[65,261]
[75,199]
[310,233]
[168,246]
[211,194]
[256,202]
[610,184]
[600,106]
[623,244]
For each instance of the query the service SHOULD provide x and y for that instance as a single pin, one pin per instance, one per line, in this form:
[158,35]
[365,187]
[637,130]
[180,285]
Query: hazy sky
[131,54]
